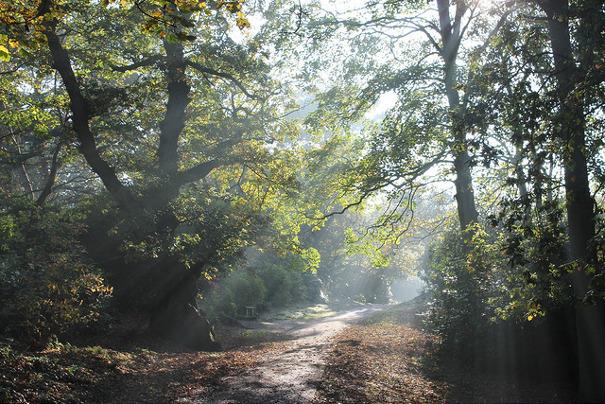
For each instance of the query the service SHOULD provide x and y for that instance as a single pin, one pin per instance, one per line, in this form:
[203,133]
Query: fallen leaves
[386,359]
[66,373]
[380,362]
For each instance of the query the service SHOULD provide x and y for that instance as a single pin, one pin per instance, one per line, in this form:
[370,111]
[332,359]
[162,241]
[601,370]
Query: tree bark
[590,319]
[178,99]
[80,119]
[465,196]
[160,290]
[450,37]
[579,202]
[175,314]
[161,287]
[52,176]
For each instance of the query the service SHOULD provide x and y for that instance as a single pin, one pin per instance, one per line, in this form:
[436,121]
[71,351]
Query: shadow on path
[291,373]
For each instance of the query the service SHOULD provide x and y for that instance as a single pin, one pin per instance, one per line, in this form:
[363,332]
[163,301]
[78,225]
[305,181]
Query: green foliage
[508,273]
[238,290]
[285,284]
[533,276]
[48,285]
[270,280]
[232,160]
[455,306]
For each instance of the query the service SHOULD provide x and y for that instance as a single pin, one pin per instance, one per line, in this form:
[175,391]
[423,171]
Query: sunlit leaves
[173,19]
[5,55]
[23,21]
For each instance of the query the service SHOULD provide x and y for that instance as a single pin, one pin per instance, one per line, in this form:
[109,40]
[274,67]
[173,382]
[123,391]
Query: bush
[452,287]
[289,280]
[48,286]
[509,274]
[236,291]
[284,286]
[278,283]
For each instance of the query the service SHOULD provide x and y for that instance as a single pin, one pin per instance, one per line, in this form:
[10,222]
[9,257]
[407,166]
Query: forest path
[291,373]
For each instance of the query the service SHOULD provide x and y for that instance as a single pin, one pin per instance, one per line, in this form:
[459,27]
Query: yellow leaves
[458,147]
[5,55]
[156,14]
[5,44]
[167,18]
[101,289]
[119,3]
[535,311]
[241,20]
[231,6]
[235,7]
[190,5]
[171,20]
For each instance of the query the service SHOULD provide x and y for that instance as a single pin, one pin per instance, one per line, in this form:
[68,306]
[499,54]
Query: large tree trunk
[465,196]
[450,37]
[579,202]
[162,291]
[590,319]
[174,314]
[162,286]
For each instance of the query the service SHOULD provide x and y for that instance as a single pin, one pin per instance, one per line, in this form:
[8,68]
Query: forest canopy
[179,161]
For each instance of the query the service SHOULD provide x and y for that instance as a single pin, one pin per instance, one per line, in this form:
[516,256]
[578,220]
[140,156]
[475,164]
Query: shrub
[289,281]
[452,287]
[505,274]
[235,292]
[279,282]
[48,286]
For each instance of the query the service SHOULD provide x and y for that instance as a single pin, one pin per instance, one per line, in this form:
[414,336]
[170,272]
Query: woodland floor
[363,354]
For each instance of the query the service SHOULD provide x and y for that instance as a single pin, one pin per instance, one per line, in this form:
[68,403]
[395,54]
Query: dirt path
[289,375]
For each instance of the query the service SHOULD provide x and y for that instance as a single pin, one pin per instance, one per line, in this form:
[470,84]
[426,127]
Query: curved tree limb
[207,70]
[62,63]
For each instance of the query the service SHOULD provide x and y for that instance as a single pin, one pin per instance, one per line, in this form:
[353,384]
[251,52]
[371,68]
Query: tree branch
[78,106]
[52,176]
[150,61]
[201,68]
[197,172]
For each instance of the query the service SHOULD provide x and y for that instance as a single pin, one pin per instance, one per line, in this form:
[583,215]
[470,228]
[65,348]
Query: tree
[123,66]
[425,57]
[572,74]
